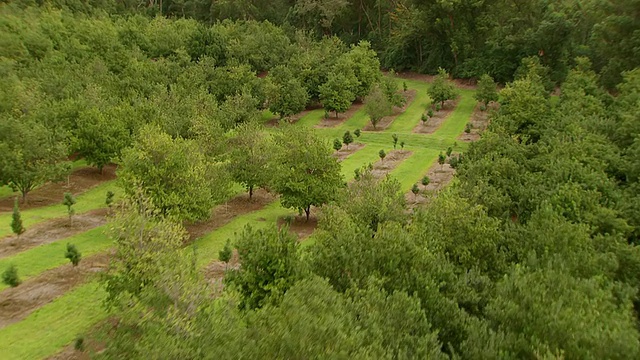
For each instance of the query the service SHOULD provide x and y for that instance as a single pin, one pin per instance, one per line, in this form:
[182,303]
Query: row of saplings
[10,275]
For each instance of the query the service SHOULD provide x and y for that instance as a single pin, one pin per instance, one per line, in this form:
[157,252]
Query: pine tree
[347,138]
[73,254]
[16,220]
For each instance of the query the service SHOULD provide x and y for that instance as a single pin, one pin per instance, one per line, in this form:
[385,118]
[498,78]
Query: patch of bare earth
[479,122]
[439,117]
[79,181]
[391,161]
[439,177]
[18,302]
[333,121]
[223,214]
[346,151]
[384,123]
[52,230]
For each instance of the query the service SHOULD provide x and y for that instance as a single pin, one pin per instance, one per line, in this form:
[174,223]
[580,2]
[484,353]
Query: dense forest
[530,253]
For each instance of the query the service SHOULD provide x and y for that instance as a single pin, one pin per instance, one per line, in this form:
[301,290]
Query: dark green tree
[356,132]
[337,144]
[441,159]
[16,220]
[73,254]
[10,276]
[394,137]
[347,138]
[68,201]
[442,89]
[285,93]
[486,91]
[377,106]
[415,190]
[382,154]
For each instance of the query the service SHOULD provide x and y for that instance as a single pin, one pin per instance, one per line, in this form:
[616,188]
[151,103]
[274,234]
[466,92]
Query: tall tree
[249,158]
[486,91]
[377,106]
[442,89]
[306,174]
[337,93]
[285,93]
[99,137]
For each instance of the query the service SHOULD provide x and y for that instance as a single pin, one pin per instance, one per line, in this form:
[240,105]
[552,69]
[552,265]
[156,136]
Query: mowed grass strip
[456,121]
[406,121]
[89,200]
[312,118]
[52,327]
[35,261]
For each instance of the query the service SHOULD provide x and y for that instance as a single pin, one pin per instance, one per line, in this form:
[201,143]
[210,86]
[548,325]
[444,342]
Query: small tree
[425,181]
[225,254]
[486,91]
[10,276]
[415,190]
[73,254]
[395,140]
[404,86]
[69,201]
[357,174]
[430,113]
[402,145]
[377,106]
[449,151]
[467,128]
[382,155]
[16,220]
[347,138]
[109,199]
[441,88]
[441,159]
[357,133]
[424,119]
[337,144]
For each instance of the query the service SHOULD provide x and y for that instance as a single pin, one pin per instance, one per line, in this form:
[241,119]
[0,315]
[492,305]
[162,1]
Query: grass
[35,261]
[89,200]
[312,118]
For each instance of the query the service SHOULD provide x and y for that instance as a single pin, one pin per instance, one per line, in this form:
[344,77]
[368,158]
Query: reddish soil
[333,121]
[439,117]
[51,231]
[388,120]
[439,176]
[344,152]
[393,159]
[300,226]
[223,214]
[80,180]
[17,303]
[479,122]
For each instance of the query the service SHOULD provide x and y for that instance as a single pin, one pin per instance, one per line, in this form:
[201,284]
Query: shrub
[382,154]
[10,276]
[415,189]
[424,119]
[337,144]
[79,343]
[467,128]
[73,254]
[449,151]
[226,252]
[109,199]
[356,132]
[425,181]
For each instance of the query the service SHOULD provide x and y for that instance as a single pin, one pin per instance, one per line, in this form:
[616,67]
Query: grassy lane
[406,121]
[35,261]
[89,200]
[312,118]
[455,123]
[357,121]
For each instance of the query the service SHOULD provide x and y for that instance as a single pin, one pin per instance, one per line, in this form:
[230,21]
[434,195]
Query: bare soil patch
[80,180]
[439,117]
[390,162]
[223,214]
[479,122]
[345,152]
[300,226]
[333,121]
[17,303]
[53,230]
[439,176]
[384,123]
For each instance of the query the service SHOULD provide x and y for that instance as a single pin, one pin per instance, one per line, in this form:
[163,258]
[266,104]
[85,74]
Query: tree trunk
[24,197]
[307,212]
[250,192]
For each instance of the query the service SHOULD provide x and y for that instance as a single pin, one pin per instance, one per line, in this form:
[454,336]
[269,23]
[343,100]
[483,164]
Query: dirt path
[223,214]
[80,180]
[382,167]
[439,176]
[51,231]
[17,303]
[384,123]
[479,122]
[333,121]
[439,118]
[344,152]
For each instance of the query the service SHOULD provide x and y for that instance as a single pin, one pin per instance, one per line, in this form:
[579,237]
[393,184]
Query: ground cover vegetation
[531,253]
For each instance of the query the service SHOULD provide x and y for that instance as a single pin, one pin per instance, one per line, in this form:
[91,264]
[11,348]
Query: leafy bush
[10,276]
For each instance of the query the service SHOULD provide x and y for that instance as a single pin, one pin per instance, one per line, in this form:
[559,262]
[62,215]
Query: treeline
[467,38]
[530,254]
[87,86]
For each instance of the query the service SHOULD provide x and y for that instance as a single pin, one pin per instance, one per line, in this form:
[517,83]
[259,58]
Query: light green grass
[89,200]
[410,118]
[357,121]
[312,118]
[35,261]
[455,123]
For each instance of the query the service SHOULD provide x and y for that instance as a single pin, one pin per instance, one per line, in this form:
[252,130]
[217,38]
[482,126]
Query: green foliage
[100,136]
[425,180]
[78,344]
[394,137]
[389,86]
[467,128]
[285,93]
[68,201]
[180,181]
[306,174]
[382,154]
[250,157]
[441,88]
[337,144]
[404,86]
[486,91]
[449,151]
[270,266]
[415,189]
[366,67]
[16,220]
[402,145]
[32,155]
[441,158]
[347,138]
[430,113]
[337,93]
[424,118]
[109,198]
[377,106]
[10,276]
[225,254]
[73,254]
[357,133]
